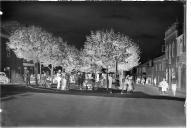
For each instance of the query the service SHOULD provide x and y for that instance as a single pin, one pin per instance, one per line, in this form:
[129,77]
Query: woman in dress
[58,77]
[125,84]
[110,83]
[64,81]
[130,84]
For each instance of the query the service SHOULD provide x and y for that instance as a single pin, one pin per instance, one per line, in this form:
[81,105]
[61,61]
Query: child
[164,85]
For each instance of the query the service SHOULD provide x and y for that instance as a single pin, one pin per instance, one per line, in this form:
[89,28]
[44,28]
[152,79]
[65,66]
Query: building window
[178,48]
[169,50]
[167,74]
[166,51]
[173,49]
[161,66]
[184,42]
[181,46]
[169,53]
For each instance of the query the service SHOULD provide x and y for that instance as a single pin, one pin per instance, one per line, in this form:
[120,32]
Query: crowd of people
[85,81]
[92,81]
[82,80]
[163,85]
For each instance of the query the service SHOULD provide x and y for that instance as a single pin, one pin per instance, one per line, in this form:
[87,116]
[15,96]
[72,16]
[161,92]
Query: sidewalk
[153,90]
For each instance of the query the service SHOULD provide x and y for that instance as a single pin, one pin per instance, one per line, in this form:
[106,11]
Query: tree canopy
[101,49]
[104,48]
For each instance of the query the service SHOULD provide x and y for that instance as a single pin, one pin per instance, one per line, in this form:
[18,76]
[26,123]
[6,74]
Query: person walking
[174,87]
[121,78]
[110,83]
[80,80]
[143,81]
[104,80]
[44,77]
[93,81]
[64,82]
[155,81]
[130,84]
[125,84]
[83,77]
[28,77]
[58,75]
[164,86]
[25,75]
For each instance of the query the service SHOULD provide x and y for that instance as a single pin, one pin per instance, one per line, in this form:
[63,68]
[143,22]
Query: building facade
[158,69]
[175,55]
[172,64]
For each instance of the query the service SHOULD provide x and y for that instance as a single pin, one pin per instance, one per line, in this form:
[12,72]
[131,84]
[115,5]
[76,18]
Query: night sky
[144,22]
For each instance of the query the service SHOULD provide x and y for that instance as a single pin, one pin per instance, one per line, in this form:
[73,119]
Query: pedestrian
[164,86]
[121,78]
[83,77]
[44,77]
[174,82]
[80,80]
[130,84]
[125,83]
[143,81]
[28,77]
[174,89]
[72,81]
[160,87]
[58,78]
[93,81]
[25,75]
[110,83]
[104,80]
[97,80]
[101,81]
[67,76]
[155,81]
[64,82]
[137,80]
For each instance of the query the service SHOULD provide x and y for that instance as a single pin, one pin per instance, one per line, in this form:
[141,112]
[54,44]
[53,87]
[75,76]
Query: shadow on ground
[12,90]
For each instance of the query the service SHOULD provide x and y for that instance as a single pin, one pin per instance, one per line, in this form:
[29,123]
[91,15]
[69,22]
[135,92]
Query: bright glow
[0,110]
[1,13]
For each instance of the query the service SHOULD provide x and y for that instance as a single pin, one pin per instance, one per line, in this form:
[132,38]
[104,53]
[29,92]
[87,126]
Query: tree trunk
[52,69]
[116,72]
[116,66]
[40,71]
[107,80]
[36,72]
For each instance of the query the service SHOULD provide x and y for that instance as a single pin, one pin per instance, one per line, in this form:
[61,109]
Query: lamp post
[9,73]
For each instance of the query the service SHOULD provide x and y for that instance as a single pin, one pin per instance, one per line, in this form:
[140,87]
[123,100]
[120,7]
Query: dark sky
[145,22]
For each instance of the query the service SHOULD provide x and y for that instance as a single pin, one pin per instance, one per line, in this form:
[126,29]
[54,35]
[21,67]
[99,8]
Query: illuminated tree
[111,50]
[33,43]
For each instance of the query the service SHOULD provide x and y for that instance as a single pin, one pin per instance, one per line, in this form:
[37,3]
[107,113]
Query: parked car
[3,78]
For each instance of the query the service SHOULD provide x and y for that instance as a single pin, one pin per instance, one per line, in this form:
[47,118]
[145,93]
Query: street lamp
[1,13]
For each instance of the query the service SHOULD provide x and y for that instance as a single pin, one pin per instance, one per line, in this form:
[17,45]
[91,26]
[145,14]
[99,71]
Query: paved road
[40,108]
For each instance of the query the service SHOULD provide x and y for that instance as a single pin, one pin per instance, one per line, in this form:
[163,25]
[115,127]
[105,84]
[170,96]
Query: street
[31,107]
